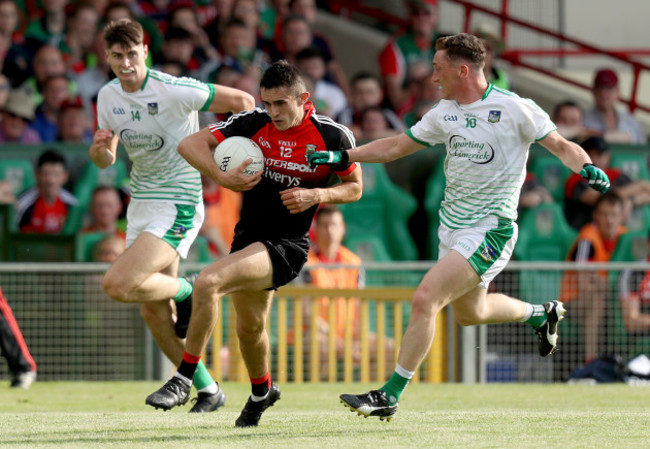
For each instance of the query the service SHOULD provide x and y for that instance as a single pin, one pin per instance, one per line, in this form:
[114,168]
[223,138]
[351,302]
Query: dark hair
[50,157]
[327,209]
[565,104]
[283,74]
[123,32]
[177,33]
[595,143]
[608,198]
[294,18]
[465,47]
[310,53]
[234,22]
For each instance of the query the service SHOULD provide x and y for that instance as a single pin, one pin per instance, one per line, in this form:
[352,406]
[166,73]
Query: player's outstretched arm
[103,150]
[574,157]
[229,99]
[380,150]
[196,149]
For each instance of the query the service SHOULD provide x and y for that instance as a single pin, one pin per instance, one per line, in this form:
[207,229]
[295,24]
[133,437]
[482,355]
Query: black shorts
[288,256]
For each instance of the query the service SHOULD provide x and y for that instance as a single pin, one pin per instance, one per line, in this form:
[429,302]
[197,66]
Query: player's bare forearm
[571,154]
[385,150]
[228,99]
[298,200]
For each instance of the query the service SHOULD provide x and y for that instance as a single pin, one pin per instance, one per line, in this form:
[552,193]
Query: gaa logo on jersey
[494,116]
[153,108]
[309,149]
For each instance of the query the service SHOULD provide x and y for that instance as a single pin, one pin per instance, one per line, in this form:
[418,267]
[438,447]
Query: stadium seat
[85,244]
[435,193]
[370,248]
[639,218]
[382,213]
[632,164]
[92,176]
[19,173]
[544,234]
[41,248]
[631,247]
[552,173]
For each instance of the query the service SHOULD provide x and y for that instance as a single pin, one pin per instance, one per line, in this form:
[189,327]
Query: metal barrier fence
[76,333]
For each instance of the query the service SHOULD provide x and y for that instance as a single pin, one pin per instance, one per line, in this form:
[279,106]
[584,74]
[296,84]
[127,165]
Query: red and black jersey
[263,216]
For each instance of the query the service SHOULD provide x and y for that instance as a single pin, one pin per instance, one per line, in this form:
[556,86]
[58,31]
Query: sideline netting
[75,332]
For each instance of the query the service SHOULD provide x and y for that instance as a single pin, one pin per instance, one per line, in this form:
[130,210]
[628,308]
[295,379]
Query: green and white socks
[397,384]
[184,291]
[535,315]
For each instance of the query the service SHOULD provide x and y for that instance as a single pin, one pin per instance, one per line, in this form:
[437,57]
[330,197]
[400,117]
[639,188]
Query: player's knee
[114,288]
[206,286]
[250,331]
[424,305]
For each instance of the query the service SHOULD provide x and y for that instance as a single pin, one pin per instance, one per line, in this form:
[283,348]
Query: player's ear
[304,97]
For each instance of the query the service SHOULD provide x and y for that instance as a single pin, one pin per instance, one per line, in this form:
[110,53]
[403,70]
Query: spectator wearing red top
[45,208]
[579,202]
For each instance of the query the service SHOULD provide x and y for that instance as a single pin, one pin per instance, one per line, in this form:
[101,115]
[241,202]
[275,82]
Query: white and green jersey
[150,124]
[487,146]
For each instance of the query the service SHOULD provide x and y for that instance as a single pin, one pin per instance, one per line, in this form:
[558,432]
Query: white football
[233,151]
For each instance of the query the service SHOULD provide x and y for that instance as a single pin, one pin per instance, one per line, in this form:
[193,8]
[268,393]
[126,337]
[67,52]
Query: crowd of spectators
[52,63]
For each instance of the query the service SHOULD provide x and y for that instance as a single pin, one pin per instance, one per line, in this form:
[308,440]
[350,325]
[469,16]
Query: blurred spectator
[248,12]
[569,119]
[45,208]
[73,123]
[14,57]
[272,17]
[108,249]
[615,125]
[6,193]
[17,114]
[50,28]
[420,89]
[105,209]
[216,15]
[92,79]
[178,47]
[250,85]
[311,63]
[374,125]
[126,9]
[222,208]
[585,291]
[79,41]
[335,73]
[578,201]
[5,88]
[328,249]
[55,91]
[415,44]
[634,298]
[533,193]
[366,93]
[48,62]
[183,14]
[174,68]
[493,46]
[297,35]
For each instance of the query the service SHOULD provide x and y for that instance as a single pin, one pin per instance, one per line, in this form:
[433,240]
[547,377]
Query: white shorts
[487,245]
[176,224]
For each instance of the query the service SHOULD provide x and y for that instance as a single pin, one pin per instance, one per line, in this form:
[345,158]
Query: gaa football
[233,151]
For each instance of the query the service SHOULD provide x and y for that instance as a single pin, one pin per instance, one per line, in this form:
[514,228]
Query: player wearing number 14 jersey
[271,244]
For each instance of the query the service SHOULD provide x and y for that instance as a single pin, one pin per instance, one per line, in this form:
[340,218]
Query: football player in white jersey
[150,112]
[487,132]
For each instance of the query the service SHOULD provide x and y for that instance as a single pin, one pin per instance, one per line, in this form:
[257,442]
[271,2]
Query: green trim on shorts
[492,247]
[184,221]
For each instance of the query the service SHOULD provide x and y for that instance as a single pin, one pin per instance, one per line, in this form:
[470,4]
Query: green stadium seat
[382,212]
[639,218]
[19,173]
[85,244]
[633,165]
[552,173]
[41,248]
[369,248]
[544,234]
[434,194]
[631,247]
[92,176]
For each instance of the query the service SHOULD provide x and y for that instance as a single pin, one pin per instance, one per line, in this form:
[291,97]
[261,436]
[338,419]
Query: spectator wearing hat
[73,123]
[615,125]
[17,114]
[579,203]
[493,46]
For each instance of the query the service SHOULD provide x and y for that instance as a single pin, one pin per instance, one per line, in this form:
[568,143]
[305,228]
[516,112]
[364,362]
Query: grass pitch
[113,415]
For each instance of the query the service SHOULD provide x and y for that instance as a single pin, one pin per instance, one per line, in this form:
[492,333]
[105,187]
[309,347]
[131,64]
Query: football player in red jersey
[271,239]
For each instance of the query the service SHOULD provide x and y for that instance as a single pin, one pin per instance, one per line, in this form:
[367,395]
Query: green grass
[113,415]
